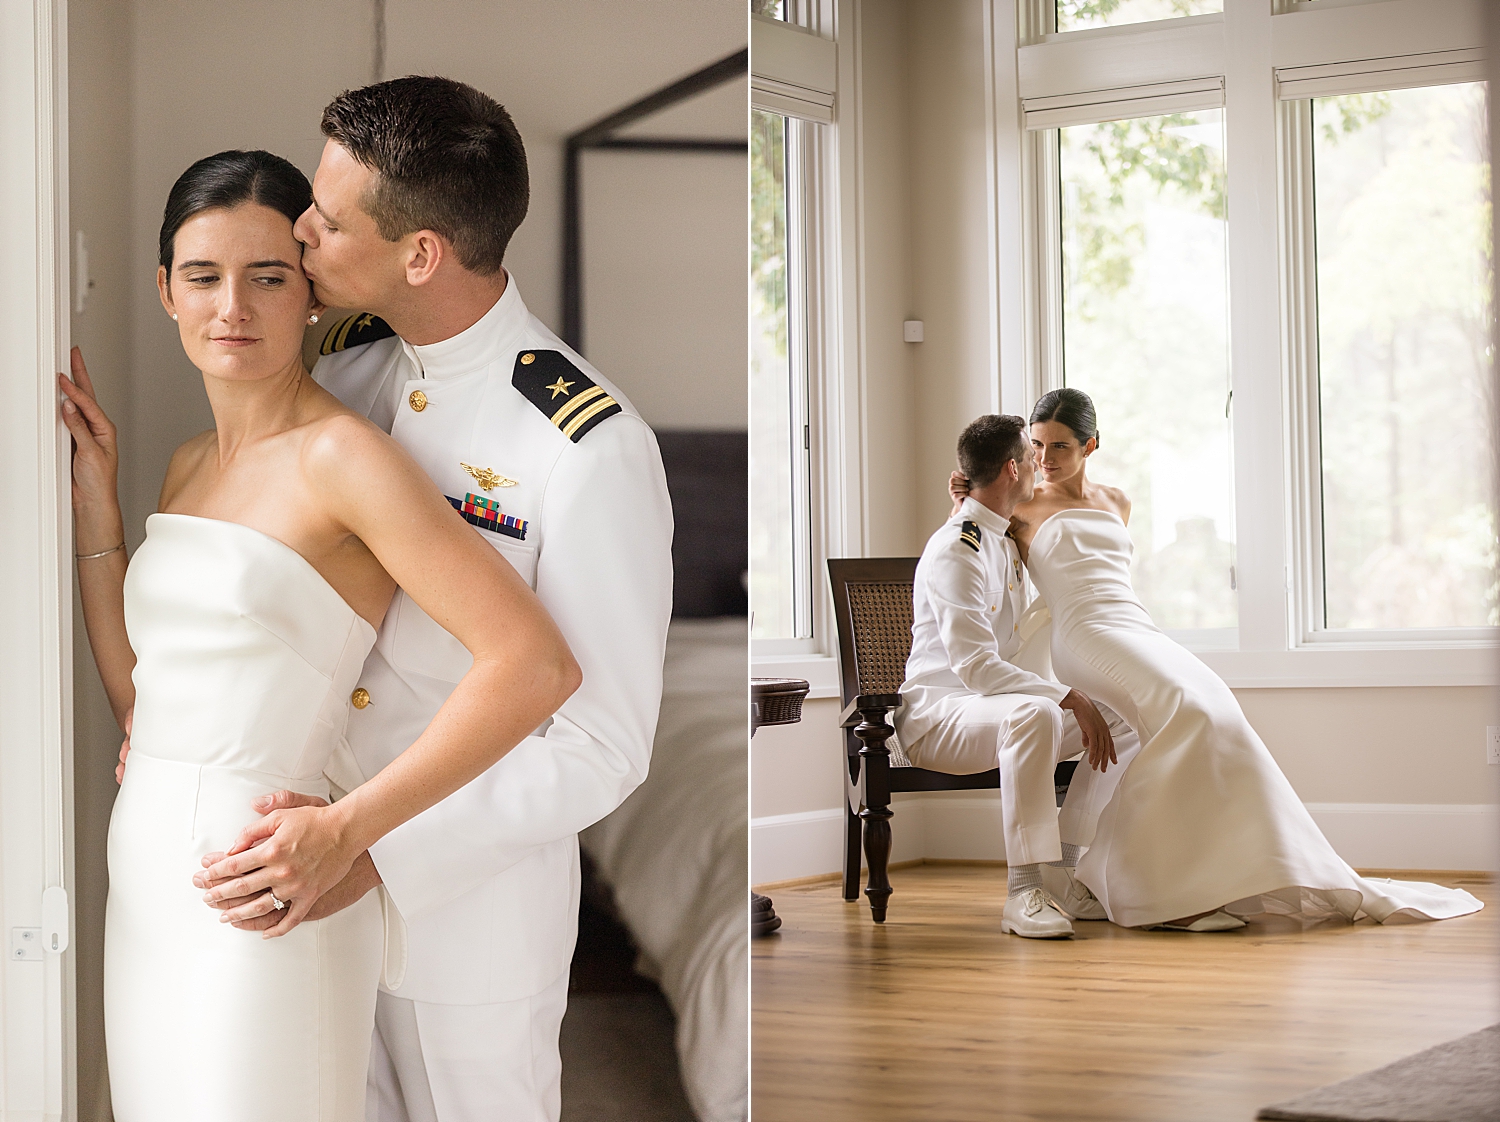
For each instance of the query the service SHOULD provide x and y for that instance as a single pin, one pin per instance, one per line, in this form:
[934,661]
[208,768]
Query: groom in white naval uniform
[969,705]
[421,184]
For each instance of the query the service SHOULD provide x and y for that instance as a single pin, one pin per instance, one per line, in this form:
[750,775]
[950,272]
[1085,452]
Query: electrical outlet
[26,944]
[1492,744]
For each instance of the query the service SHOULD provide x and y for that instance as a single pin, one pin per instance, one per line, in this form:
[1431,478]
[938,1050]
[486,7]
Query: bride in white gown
[1202,820]
[236,639]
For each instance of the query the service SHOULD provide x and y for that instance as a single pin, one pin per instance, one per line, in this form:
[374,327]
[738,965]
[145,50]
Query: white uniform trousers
[467,1063]
[1027,736]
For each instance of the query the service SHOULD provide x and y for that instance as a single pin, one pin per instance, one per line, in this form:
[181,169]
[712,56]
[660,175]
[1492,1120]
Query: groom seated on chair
[970,704]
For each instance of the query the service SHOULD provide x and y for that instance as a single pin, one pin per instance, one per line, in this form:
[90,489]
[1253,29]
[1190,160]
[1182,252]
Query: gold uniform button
[1011,587]
[992,607]
[527,359]
[360,698]
[417,400]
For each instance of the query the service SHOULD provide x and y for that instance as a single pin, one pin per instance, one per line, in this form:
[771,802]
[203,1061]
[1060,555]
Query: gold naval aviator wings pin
[487,479]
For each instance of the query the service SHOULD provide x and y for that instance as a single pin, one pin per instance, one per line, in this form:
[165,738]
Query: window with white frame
[780,435]
[1401,217]
[1279,294]
[1145,334]
[1077,15]
[793,85]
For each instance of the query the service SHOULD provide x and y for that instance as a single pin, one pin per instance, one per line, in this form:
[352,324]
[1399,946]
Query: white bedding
[675,854]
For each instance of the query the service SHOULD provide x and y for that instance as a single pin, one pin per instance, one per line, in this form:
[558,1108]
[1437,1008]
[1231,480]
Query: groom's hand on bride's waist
[293,857]
[257,914]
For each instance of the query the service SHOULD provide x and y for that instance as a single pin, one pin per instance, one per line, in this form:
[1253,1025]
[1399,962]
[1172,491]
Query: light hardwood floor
[936,1015]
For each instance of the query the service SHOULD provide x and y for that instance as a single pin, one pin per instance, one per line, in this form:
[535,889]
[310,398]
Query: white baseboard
[788,846]
[1412,835]
[1367,835]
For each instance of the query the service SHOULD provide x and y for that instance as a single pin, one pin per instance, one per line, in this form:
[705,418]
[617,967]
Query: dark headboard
[707,474]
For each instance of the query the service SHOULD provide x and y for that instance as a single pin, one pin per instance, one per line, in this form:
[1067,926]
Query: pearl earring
[174,315]
[313,318]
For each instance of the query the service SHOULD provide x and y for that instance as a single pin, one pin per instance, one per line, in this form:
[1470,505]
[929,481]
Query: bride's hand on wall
[96,455]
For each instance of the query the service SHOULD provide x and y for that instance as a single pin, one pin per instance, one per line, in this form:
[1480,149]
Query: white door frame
[36,694]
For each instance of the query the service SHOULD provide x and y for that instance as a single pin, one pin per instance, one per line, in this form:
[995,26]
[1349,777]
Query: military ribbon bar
[485,513]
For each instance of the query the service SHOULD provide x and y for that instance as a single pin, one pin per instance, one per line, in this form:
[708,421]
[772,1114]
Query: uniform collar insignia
[975,511]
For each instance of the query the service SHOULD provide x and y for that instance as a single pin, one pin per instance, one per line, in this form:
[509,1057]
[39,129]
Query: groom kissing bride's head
[421,184]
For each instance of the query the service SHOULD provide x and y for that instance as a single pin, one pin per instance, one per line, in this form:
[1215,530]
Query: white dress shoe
[1071,895]
[1032,916]
[1217,921]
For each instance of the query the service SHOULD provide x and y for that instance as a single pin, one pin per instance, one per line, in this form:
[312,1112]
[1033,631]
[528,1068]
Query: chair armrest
[852,714]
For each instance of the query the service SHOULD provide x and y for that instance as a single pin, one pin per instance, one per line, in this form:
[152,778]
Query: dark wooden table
[773,701]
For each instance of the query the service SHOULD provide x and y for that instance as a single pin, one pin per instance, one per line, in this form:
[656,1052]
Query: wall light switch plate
[26,944]
[1492,744]
[911,331]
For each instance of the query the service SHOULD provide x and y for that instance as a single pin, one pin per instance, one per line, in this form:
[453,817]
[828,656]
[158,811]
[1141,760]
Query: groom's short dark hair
[988,444]
[446,158]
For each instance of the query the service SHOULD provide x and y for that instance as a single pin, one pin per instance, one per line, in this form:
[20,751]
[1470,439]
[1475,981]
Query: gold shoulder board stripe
[570,400]
[355,331]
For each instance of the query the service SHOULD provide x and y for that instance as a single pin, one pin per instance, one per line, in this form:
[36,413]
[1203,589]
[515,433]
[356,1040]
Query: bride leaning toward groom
[1198,827]
[230,647]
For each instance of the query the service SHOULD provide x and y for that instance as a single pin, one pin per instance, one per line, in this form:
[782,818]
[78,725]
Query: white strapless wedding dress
[246,659]
[1202,817]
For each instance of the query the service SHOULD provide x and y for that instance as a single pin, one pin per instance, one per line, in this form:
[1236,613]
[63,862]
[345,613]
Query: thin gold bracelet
[104,553]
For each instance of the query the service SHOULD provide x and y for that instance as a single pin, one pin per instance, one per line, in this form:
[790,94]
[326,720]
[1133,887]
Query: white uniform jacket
[487,881]
[968,598]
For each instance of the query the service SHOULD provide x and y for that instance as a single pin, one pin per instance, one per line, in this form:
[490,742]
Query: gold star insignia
[364,320]
[487,479]
[559,387]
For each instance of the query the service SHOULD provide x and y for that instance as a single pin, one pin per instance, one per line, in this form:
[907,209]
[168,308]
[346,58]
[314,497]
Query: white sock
[1070,856]
[1022,877]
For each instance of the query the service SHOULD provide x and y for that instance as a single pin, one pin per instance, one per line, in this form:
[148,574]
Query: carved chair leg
[851,852]
[875,759]
[878,854]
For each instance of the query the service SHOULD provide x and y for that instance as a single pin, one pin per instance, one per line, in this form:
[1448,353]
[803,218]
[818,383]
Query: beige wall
[889,297]
[99,158]
[951,234]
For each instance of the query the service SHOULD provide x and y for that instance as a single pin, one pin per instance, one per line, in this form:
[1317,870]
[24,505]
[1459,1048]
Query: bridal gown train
[246,659]
[1202,817]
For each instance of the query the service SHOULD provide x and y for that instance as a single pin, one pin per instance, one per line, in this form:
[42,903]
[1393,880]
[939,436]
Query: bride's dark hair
[1070,407]
[227,179]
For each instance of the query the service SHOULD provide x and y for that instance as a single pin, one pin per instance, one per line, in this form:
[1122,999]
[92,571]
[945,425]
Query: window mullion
[1043,248]
[797,200]
[1254,328]
[1299,351]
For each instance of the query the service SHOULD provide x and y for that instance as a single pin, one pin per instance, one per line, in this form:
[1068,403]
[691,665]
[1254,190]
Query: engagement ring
[275,903]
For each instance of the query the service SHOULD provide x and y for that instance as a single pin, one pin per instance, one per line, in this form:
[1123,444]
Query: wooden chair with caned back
[872,610]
